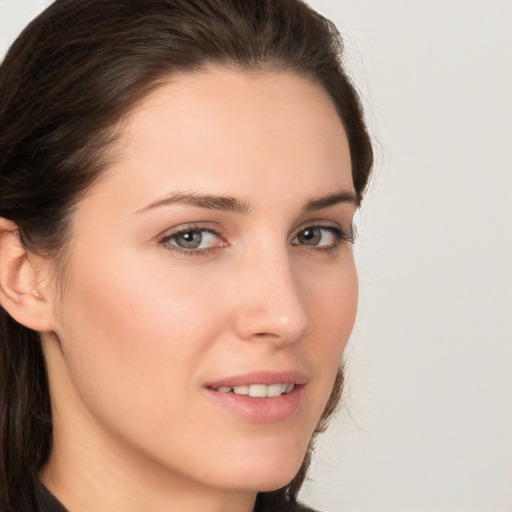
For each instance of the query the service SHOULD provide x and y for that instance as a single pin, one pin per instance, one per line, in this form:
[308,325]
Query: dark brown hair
[66,83]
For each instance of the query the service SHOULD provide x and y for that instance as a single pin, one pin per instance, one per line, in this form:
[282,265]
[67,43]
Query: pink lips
[264,409]
[261,377]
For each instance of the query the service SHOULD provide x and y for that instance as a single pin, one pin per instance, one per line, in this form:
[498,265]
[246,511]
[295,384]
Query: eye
[315,236]
[325,237]
[193,239]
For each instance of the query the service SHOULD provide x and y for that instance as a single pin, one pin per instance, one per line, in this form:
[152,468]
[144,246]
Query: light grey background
[426,424]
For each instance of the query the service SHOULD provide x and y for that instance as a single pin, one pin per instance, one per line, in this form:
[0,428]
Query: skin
[139,327]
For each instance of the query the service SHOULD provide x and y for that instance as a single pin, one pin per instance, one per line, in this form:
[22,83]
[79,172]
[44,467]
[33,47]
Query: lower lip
[261,410]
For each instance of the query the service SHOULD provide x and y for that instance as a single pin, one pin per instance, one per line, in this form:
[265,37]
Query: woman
[177,186]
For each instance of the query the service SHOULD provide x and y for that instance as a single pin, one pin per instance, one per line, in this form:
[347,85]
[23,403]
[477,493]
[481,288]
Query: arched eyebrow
[210,202]
[232,204]
[342,196]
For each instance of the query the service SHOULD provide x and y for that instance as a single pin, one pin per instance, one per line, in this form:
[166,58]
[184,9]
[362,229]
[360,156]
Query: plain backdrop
[426,421]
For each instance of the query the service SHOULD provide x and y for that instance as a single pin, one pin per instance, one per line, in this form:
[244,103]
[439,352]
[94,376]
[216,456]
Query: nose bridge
[271,304]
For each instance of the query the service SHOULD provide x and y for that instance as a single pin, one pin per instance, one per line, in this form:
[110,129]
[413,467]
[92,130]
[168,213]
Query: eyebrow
[227,204]
[231,204]
[342,196]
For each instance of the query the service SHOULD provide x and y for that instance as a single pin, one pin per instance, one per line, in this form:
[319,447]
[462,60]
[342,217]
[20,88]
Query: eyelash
[340,235]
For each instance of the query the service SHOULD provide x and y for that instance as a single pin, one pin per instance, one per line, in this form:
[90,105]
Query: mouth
[260,397]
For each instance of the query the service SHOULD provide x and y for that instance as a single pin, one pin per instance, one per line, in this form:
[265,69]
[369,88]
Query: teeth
[241,390]
[274,390]
[259,390]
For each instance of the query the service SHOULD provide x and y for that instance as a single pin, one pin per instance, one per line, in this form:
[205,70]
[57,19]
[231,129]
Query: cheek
[130,333]
[333,307]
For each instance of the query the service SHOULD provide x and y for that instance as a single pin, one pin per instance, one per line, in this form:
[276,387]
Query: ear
[22,293]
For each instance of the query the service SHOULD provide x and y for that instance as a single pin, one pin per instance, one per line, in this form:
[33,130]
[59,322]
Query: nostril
[265,335]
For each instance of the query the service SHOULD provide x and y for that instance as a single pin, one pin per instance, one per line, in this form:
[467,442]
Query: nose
[270,302]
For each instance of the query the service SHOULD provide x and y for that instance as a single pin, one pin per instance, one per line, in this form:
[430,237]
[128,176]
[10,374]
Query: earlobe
[20,293]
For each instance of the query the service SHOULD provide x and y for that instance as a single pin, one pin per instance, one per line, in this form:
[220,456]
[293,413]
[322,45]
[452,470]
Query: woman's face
[213,259]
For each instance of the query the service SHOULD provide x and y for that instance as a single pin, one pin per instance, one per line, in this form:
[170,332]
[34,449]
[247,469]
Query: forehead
[222,127]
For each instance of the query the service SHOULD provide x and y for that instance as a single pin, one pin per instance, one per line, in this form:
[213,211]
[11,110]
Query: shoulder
[46,501]
[301,508]
[290,506]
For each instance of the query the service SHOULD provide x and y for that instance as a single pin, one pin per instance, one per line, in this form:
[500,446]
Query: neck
[83,480]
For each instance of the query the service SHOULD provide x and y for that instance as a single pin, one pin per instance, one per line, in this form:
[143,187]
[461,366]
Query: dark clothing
[47,502]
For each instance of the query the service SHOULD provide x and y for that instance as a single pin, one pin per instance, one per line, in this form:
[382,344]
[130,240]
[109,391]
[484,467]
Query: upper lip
[261,377]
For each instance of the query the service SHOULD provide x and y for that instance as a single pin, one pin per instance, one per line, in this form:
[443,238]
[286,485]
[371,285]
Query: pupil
[190,240]
[310,236]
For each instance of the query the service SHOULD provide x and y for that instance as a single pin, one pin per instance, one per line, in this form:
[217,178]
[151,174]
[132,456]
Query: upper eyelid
[184,228]
[319,224]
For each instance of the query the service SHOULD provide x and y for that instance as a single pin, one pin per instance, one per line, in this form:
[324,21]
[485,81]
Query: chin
[269,479]
[266,469]
[276,480]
